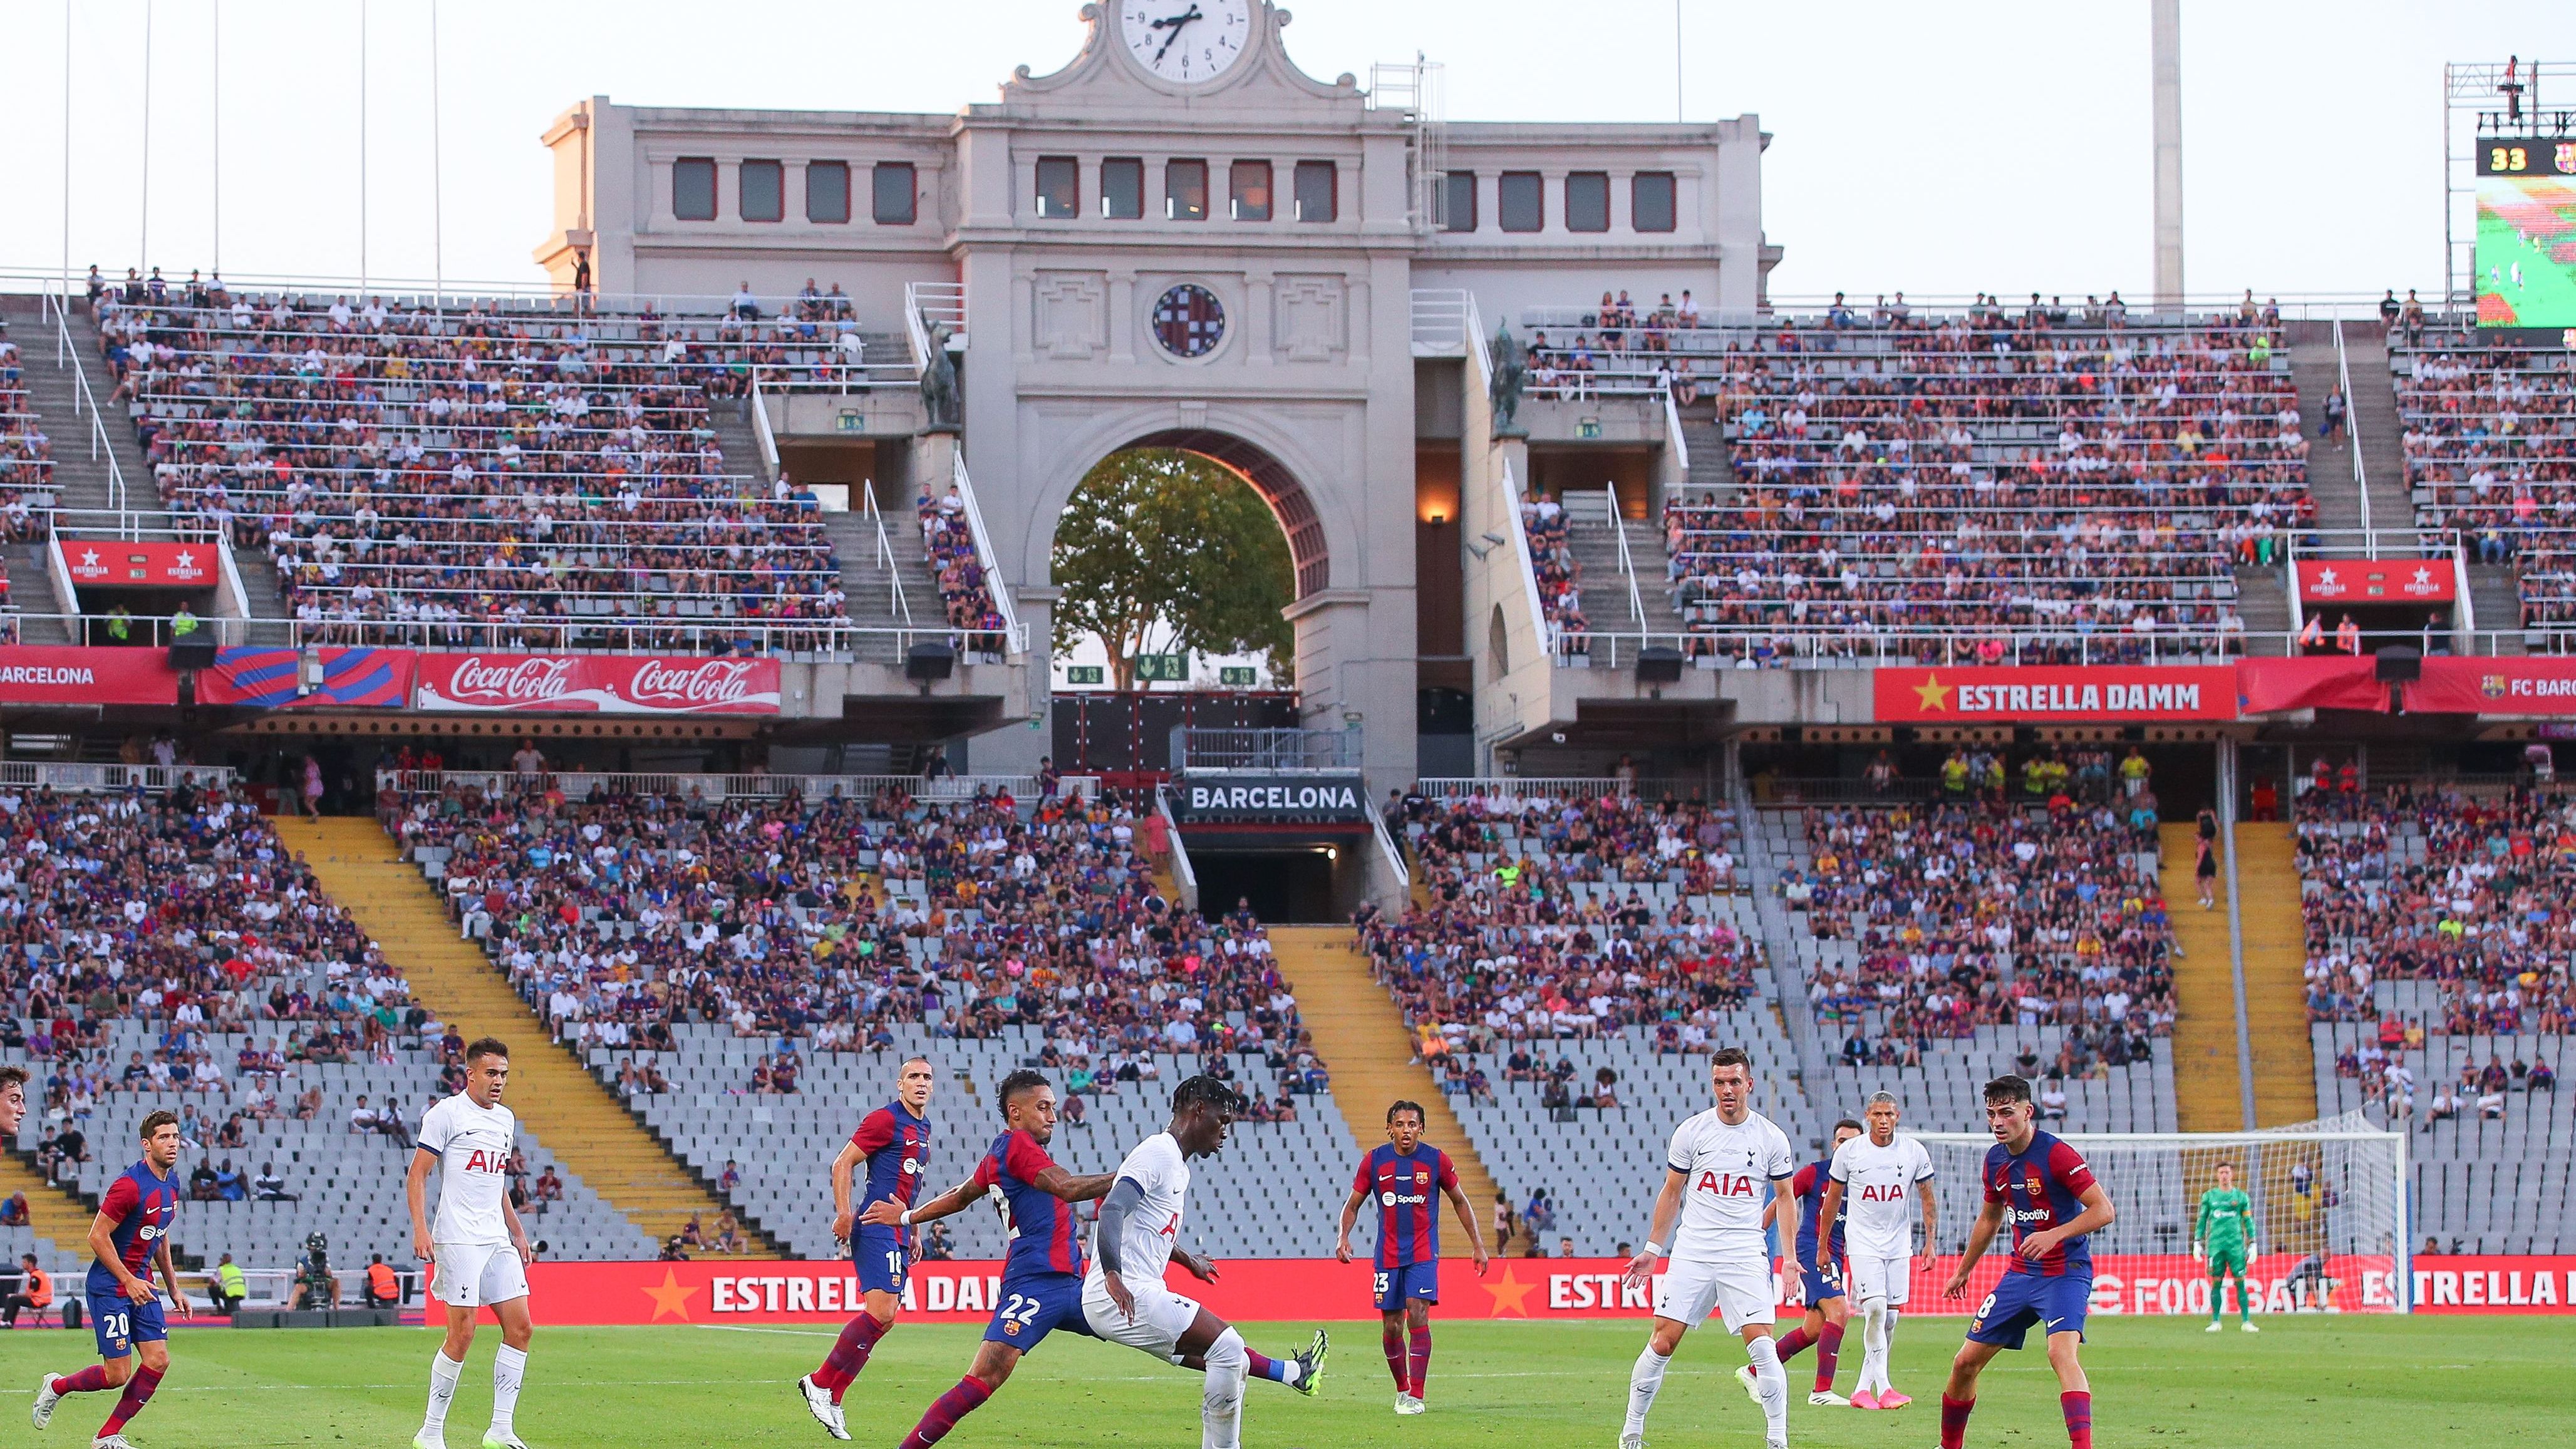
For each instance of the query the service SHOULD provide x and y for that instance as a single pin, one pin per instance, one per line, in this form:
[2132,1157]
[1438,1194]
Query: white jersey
[1145,1246]
[473,1147]
[1730,1171]
[1878,1194]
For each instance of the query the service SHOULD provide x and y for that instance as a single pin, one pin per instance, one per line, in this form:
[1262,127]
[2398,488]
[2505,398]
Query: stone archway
[1272,480]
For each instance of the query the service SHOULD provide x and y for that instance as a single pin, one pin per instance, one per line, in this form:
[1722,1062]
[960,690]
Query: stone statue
[939,384]
[1509,369]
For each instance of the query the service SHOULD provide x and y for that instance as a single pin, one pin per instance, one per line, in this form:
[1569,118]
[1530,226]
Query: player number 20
[118,1325]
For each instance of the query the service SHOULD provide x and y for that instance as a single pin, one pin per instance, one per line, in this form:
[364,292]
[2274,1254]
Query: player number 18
[2508,158]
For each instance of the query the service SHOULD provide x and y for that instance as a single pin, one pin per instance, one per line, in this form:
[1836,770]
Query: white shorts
[476,1275]
[1882,1279]
[1162,1315]
[1742,1290]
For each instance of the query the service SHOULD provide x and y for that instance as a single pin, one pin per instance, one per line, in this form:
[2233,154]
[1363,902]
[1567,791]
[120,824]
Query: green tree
[1164,547]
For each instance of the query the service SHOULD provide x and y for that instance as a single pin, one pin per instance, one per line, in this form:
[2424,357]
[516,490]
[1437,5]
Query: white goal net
[2329,1224]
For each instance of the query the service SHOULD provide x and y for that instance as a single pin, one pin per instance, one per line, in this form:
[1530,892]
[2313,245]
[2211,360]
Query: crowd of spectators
[820,925]
[2378,1063]
[1505,949]
[26,467]
[1559,576]
[965,598]
[1985,913]
[2490,447]
[474,477]
[2037,486]
[2424,883]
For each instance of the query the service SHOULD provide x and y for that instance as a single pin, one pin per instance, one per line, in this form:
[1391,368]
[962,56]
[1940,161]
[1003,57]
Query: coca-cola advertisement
[597,684]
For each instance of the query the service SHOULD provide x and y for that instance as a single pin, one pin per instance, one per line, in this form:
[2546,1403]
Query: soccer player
[478,1254]
[1140,1224]
[127,1240]
[1820,1276]
[1402,1175]
[2039,1184]
[1713,1178]
[1874,1174]
[1041,1287]
[2225,1232]
[894,1141]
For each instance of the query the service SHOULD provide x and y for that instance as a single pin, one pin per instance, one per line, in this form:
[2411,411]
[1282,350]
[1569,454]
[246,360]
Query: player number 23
[1381,1285]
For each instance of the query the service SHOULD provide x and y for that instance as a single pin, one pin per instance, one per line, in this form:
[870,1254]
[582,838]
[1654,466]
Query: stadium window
[827,191]
[1318,191]
[763,190]
[1248,184]
[1122,188]
[1458,202]
[1185,191]
[1587,201]
[1520,201]
[1059,186]
[693,188]
[895,196]
[1650,201]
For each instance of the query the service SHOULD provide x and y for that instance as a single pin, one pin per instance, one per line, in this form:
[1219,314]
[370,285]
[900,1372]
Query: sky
[1938,149]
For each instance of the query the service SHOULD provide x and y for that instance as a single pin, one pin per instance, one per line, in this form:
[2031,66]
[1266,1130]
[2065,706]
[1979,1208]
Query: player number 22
[1021,1307]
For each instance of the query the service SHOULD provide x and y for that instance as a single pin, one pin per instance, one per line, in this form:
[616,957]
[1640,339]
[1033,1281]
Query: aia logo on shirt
[479,1160]
[1881,1192]
[1726,1185]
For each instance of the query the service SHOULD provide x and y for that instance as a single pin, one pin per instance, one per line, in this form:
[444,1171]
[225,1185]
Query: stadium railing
[712,787]
[72,777]
[53,307]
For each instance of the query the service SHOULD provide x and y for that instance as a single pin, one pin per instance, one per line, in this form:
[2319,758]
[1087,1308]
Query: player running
[127,1240]
[1402,1175]
[1712,1178]
[1124,1299]
[2039,1183]
[2225,1233]
[1874,1173]
[1820,1278]
[478,1254]
[894,1141]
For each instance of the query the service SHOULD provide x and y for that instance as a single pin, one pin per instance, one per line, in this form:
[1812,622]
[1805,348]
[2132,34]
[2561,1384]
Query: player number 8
[1986,1307]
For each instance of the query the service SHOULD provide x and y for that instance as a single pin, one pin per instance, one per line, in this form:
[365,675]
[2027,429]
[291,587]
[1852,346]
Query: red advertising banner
[1252,1290]
[2485,1283]
[2052,693]
[125,564]
[72,674]
[2535,685]
[2377,581]
[2315,681]
[597,684]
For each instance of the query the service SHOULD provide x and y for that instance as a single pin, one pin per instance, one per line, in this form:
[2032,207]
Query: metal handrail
[83,399]
[1627,565]
[576,783]
[925,303]
[896,604]
[1546,627]
[1673,433]
[1185,877]
[71,776]
[761,431]
[831,641]
[1394,856]
[2352,426]
[984,554]
[1958,647]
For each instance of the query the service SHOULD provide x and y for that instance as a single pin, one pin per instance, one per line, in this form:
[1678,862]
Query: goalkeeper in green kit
[2225,1234]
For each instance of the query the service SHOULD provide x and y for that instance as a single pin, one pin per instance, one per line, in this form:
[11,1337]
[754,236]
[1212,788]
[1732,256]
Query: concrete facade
[1308,390]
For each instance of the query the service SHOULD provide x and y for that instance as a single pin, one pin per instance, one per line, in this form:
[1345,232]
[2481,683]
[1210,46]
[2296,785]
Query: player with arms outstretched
[894,1142]
[128,1239]
[2040,1184]
[1820,1281]
[1041,1287]
[478,1252]
[1402,1176]
[1714,1178]
[2225,1233]
[1124,1299]
[1874,1174]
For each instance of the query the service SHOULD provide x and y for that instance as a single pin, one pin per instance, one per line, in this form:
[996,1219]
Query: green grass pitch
[2303,1381]
[2547,296]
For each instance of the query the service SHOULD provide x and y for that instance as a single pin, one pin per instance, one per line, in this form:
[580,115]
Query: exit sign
[1085,674]
[1235,677]
[1163,668]
[851,420]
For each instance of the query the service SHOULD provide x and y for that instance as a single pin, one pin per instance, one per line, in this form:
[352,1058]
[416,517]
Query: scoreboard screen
[2526,250]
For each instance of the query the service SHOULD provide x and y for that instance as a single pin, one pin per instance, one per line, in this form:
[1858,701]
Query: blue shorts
[1815,1287]
[2023,1299]
[877,1252]
[1035,1306]
[121,1323]
[1413,1280]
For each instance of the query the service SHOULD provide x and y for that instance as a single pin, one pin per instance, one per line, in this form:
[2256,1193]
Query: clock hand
[1176,23]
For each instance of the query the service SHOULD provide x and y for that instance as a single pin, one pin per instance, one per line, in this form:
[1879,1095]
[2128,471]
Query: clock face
[1186,41]
[1189,321]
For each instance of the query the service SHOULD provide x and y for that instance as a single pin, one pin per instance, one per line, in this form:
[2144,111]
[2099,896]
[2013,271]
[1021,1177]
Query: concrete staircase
[260,591]
[58,1217]
[1361,1036]
[2374,423]
[2314,373]
[2495,601]
[2276,954]
[865,577]
[1595,541]
[2263,602]
[553,1093]
[2206,1085]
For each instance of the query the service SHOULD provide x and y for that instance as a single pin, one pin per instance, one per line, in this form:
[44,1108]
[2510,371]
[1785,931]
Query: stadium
[1315,728]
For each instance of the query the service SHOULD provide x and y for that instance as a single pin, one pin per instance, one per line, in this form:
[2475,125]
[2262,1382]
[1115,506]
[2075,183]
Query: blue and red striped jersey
[142,1204]
[898,1147]
[1407,1186]
[2041,1187]
[1044,1236]
[1809,1186]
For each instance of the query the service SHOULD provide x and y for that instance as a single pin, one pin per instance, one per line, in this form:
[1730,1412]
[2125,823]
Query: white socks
[1771,1381]
[442,1390]
[508,1367]
[1221,1402]
[1873,1343]
[1648,1377]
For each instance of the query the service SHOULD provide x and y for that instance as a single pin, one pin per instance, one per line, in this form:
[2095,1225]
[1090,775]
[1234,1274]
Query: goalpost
[2330,1217]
